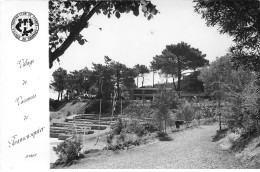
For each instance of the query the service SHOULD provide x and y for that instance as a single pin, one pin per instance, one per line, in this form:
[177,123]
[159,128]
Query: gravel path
[188,149]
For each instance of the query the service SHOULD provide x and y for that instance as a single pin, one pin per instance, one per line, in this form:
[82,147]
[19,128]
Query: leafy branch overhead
[68,18]
[241,20]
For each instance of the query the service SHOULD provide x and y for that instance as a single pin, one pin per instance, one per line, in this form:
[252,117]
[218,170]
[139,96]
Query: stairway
[79,124]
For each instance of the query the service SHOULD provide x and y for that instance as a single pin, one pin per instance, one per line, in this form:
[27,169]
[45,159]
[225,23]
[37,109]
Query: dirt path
[189,149]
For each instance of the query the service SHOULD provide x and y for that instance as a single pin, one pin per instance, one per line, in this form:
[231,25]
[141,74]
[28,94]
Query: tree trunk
[174,85]
[143,82]
[58,95]
[137,81]
[179,75]
[153,78]
[165,125]
[219,113]
[117,83]
[59,90]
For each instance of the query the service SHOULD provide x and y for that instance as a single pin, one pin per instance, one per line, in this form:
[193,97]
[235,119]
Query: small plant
[68,113]
[117,127]
[91,151]
[122,135]
[68,151]
[150,127]
[110,137]
[140,130]
[163,136]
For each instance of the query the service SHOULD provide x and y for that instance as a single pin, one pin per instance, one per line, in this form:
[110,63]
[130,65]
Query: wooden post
[143,95]
[153,78]
[121,107]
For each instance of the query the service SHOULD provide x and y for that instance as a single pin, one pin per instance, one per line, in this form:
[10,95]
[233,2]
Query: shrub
[122,135]
[140,131]
[118,126]
[91,151]
[135,110]
[186,112]
[68,151]
[163,136]
[110,137]
[150,127]
[244,110]
[68,113]
[123,145]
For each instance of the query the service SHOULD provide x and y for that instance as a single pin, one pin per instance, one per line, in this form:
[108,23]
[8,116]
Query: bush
[94,107]
[123,145]
[163,136]
[91,151]
[55,104]
[150,127]
[140,131]
[68,151]
[186,112]
[244,110]
[110,137]
[118,126]
[68,113]
[135,110]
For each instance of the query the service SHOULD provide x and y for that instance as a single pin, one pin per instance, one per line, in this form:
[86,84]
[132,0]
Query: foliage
[55,104]
[102,82]
[244,112]
[68,113]
[110,137]
[163,136]
[177,58]
[191,83]
[122,76]
[118,126]
[68,151]
[221,78]
[162,105]
[241,20]
[68,18]
[150,127]
[123,145]
[135,110]
[186,111]
[94,106]
[59,81]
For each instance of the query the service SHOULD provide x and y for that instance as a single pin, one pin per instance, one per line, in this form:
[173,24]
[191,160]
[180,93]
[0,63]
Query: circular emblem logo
[25,26]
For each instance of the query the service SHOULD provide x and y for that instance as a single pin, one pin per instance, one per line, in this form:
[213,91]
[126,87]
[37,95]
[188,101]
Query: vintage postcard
[120,84]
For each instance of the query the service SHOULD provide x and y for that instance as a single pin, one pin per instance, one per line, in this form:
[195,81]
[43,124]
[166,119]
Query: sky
[135,40]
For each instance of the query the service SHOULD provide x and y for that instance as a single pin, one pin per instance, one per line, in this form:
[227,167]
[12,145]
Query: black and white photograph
[141,84]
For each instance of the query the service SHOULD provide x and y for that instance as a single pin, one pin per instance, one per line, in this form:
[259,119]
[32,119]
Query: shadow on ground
[219,135]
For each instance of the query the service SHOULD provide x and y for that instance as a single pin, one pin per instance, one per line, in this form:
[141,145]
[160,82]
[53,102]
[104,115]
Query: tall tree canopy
[123,76]
[240,19]
[220,77]
[68,18]
[59,81]
[177,58]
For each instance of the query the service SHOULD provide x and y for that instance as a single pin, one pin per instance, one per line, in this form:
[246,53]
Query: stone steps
[68,126]
[93,121]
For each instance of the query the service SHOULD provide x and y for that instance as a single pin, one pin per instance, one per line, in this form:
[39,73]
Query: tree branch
[74,32]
